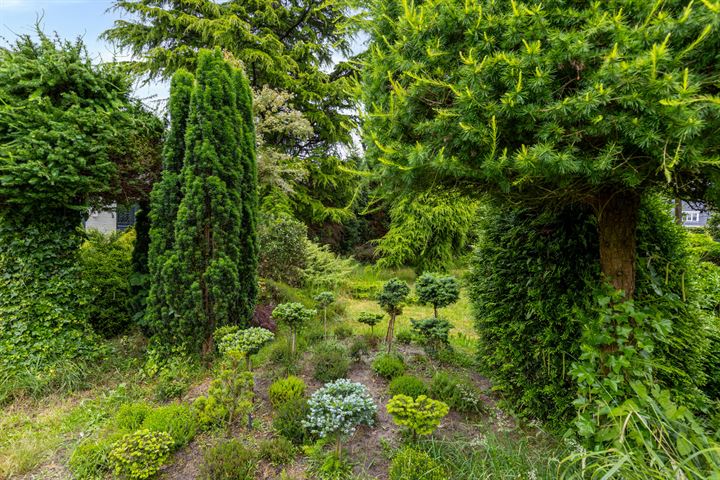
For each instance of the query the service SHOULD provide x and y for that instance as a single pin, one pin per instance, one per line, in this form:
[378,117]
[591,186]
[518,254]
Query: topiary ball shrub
[411,464]
[228,460]
[286,390]
[288,421]
[140,455]
[331,361]
[420,415]
[388,365]
[277,451]
[343,332]
[177,420]
[130,416]
[405,336]
[458,393]
[408,385]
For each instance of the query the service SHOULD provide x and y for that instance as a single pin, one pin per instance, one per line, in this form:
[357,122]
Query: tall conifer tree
[165,200]
[209,264]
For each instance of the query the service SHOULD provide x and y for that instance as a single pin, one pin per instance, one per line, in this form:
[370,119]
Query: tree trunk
[435,310]
[292,345]
[617,214]
[390,332]
[678,211]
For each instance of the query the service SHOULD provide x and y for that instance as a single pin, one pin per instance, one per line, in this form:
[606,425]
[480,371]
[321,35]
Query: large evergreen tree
[564,102]
[165,199]
[213,232]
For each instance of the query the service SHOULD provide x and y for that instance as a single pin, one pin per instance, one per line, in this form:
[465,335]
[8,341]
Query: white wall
[104,221]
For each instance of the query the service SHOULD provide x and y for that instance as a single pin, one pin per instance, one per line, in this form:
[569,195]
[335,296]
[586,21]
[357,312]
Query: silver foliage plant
[338,408]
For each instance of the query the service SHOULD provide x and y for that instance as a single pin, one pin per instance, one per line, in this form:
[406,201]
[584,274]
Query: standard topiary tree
[391,299]
[338,408]
[437,290]
[164,202]
[294,315]
[370,319]
[564,103]
[323,300]
[211,250]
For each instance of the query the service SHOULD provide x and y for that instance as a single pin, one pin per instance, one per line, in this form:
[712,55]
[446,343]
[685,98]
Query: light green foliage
[705,247]
[289,421]
[176,419]
[428,231]
[90,459]
[245,342]
[324,269]
[392,299]
[338,408]
[228,460]
[433,332]
[229,397]
[437,290]
[388,365]
[214,255]
[411,464]
[164,202]
[407,385]
[277,451]
[294,315]
[283,248]
[106,269]
[130,416]
[140,455]
[331,361]
[328,465]
[64,122]
[286,390]
[421,415]
[460,394]
[370,319]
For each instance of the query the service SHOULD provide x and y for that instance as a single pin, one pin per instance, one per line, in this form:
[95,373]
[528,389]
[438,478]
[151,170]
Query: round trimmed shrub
[130,416]
[228,460]
[338,408]
[286,390]
[388,365]
[140,455]
[411,464]
[331,362]
[409,385]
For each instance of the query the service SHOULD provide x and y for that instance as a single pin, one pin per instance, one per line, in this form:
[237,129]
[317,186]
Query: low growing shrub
[408,385]
[277,451]
[459,394]
[286,390]
[90,460]
[331,362]
[228,460]
[405,336]
[140,455]
[388,365]
[343,331]
[130,416]
[288,421]
[177,420]
[421,415]
[411,464]
[359,348]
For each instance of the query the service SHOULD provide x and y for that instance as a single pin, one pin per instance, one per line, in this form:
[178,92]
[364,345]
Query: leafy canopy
[393,295]
[437,290]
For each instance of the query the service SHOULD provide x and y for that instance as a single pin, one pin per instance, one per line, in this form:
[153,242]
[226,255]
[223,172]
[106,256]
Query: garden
[384,240]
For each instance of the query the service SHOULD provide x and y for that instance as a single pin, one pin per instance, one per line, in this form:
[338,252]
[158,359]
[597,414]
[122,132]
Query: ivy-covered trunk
[617,214]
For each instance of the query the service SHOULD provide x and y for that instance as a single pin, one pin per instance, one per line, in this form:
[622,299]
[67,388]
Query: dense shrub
[228,460]
[407,385]
[420,415]
[283,248]
[533,285]
[130,416]
[277,451]
[90,460]
[411,464]
[177,420]
[359,347]
[405,336]
[106,269]
[343,332]
[458,393]
[140,455]
[286,390]
[288,421]
[331,361]
[324,269]
[434,334]
[388,365]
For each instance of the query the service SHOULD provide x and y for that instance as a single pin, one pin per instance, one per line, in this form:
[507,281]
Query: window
[691,216]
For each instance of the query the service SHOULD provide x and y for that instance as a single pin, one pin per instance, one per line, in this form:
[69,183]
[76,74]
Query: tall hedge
[211,250]
[533,287]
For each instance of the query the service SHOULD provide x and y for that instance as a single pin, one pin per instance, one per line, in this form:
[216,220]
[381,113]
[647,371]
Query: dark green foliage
[331,361]
[392,299]
[359,347]
[408,385]
[343,332]
[412,464]
[63,121]
[370,319]
[288,421]
[106,271]
[437,290]
[405,336]
[388,365]
[140,276]
[283,249]
[176,419]
[533,286]
[165,200]
[277,451]
[228,460]
[460,394]
[212,258]
[434,333]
